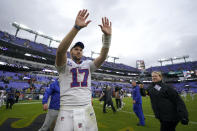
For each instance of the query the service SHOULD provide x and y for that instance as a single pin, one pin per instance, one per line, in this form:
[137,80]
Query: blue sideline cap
[80,44]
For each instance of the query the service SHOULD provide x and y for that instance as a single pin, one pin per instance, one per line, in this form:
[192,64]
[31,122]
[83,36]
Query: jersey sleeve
[92,66]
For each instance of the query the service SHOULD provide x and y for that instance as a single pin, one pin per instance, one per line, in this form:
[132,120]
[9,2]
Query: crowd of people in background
[117,92]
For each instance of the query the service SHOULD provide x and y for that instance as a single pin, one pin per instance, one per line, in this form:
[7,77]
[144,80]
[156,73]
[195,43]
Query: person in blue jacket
[54,92]
[137,103]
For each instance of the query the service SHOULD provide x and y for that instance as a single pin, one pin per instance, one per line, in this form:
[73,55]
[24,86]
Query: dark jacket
[107,96]
[167,105]
[10,93]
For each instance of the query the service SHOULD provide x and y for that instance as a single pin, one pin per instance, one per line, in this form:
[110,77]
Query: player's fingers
[79,13]
[88,22]
[100,26]
[107,21]
[84,12]
[86,16]
[103,21]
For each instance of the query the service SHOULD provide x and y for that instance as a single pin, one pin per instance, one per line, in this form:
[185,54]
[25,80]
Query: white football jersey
[75,82]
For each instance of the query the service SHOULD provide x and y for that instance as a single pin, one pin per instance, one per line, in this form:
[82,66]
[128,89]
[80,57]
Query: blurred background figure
[17,94]
[118,98]
[137,104]
[192,94]
[107,97]
[122,93]
[1,98]
[184,95]
[9,97]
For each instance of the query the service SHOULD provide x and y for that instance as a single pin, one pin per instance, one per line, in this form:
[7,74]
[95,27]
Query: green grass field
[124,120]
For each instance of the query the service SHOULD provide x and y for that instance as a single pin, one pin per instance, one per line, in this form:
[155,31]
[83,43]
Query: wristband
[106,41]
[77,27]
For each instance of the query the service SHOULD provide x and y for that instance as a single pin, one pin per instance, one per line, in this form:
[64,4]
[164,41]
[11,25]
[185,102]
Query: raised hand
[81,18]
[106,28]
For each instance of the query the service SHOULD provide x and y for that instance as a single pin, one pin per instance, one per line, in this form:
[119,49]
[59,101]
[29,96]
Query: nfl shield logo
[79,125]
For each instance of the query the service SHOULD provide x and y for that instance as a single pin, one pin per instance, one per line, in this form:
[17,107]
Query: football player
[76,111]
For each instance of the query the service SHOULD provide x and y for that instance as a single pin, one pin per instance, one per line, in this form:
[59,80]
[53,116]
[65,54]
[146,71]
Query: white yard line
[28,103]
[191,122]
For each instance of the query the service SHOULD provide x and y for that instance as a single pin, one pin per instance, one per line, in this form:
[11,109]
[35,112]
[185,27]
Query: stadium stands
[175,67]
[4,36]
[23,80]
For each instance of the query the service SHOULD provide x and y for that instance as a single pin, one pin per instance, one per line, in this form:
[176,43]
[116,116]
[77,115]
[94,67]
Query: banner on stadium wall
[175,73]
[186,74]
[140,65]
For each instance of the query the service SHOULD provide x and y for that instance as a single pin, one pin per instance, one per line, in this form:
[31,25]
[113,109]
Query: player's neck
[78,61]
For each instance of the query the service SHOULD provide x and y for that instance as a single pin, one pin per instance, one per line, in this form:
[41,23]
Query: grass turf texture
[124,120]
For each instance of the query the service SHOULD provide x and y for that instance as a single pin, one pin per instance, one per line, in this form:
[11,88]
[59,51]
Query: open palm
[106,26]
[81,18]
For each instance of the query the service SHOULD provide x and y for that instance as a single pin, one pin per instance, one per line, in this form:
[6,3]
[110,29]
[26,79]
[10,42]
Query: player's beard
[75,58]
